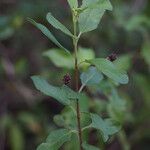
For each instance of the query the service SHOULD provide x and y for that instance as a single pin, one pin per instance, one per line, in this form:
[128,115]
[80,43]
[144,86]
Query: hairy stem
[75,43]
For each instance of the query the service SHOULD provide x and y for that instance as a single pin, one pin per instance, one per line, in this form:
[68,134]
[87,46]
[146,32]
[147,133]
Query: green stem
[75,43]
[123,140]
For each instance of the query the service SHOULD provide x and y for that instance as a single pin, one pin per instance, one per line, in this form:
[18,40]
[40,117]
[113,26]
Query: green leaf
[106,126]
[91,16]
[60,58]
[89,19]
[46,32]
[89,147]
[56,24]
[110,70]
[63,59]
[73,3]
[58,138]
[63,94]
[55,140]
[91,77]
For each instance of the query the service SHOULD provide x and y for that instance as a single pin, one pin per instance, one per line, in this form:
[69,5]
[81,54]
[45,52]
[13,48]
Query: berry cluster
[112,57]
[66,79]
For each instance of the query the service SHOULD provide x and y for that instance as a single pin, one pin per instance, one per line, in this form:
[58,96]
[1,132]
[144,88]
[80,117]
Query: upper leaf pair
[93,11]
[56,24]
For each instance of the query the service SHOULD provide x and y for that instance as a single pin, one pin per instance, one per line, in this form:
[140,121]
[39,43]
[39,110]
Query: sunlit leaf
[60,58]
[65,60]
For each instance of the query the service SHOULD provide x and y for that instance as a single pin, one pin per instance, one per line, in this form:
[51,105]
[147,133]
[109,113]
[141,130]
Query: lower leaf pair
[58,137]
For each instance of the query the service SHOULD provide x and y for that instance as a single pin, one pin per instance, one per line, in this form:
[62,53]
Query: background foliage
[26,116]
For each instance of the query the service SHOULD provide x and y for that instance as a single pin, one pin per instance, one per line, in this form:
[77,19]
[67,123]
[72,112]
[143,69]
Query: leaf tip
[34,77]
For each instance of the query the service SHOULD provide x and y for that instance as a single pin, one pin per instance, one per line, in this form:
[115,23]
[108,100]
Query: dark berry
[112,57]
[66,79]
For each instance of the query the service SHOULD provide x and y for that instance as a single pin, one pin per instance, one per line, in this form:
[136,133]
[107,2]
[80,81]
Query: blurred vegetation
[25,115]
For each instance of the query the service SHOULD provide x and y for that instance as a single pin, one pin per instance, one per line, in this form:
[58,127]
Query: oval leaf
[60,58]
[62,94]
[110,70]
[91,77]
[89,19]
[93,10]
